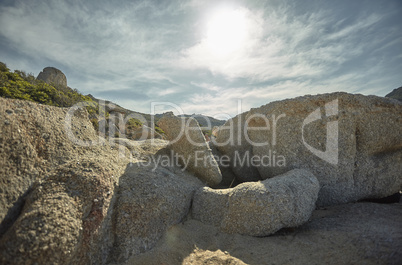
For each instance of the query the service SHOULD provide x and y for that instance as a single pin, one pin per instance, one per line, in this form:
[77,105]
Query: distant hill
[50,88]
[202,120]
[395,94]
[111,107]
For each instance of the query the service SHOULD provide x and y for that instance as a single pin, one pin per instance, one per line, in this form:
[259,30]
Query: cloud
[122,94]
[84,37]
[279,46]
[138,52]
[207,86]
[168,91]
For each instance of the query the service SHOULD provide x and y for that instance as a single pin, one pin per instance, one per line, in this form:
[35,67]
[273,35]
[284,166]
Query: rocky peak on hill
[52,75]
[395,94]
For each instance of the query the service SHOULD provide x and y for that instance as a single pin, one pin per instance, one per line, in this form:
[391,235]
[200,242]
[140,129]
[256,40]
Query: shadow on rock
[150,200]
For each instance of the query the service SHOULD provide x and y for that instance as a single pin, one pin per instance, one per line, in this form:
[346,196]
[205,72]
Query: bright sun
[226,31]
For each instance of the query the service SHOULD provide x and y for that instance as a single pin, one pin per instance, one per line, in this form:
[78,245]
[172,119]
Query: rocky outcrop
[395,94]
[116,125]
[231,142]
[352,143]
[33,142]
[65,218]
[43,179]
[151,199]
[188,141]
[65,198]
[53,76]
[139,149]
[259,208]
[229,179]
[363,142]
[143,133]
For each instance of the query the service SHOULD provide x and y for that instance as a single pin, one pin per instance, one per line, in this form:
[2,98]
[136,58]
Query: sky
[217,58]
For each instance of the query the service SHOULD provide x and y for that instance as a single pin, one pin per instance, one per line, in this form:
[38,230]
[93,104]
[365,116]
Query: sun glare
[226,31]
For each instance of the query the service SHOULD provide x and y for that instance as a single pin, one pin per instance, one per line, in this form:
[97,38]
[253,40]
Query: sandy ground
[359,233]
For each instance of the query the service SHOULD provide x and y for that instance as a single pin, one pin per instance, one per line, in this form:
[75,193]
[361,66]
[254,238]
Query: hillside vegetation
[20,85]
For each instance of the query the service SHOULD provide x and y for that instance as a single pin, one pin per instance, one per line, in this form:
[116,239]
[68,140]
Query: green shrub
[207,132]
[133,123]
[95,123]
[20,85]
[3,67]
[159,130]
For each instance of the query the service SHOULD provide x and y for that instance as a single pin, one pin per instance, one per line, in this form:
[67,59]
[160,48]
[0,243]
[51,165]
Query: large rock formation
[151,199]
[58,183]
[65,218]
[259,208]
[43,181]
[229,179]
[352,143]
[139,149]
[231,141]
[53,76]
[188,141]
[354,147]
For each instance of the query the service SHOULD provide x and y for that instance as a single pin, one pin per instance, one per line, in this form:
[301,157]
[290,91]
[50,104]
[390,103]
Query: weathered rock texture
[151,199]
[65,219]
[139,149]
[187,140]
[231,141]
[395,94]
[352,143]
[59,205]
[229,179]
[142,133]
[53,76]
[217,257]
[35,148]
[118,125]
[259,208]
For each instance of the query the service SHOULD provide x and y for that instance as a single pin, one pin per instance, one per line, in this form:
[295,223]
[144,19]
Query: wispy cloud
[95,41]
[137,52]
[207,86]
[280,46]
